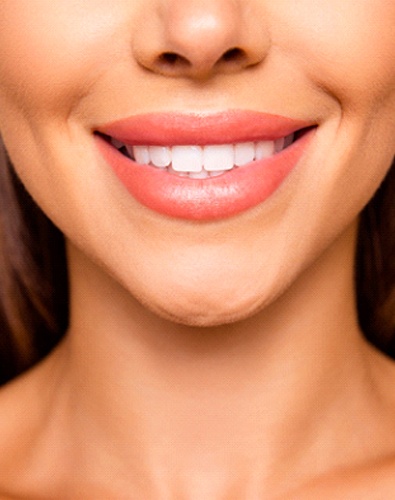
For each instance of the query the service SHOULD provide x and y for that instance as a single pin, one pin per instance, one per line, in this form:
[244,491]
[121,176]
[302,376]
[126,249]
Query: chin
[205,309]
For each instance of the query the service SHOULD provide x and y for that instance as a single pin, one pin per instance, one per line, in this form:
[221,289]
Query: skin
[216,360]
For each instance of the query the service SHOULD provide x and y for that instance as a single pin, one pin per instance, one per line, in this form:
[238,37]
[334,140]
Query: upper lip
[227,127]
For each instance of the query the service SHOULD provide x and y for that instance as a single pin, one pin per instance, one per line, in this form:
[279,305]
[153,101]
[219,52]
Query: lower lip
[214,198]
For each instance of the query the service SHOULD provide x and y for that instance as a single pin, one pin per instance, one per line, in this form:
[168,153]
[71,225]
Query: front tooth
[218,157]
[187,158]
[264,149]
[160,156]
[140,154]
[244,153]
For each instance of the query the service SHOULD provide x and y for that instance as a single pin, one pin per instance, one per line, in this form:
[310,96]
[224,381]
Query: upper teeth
[201,161]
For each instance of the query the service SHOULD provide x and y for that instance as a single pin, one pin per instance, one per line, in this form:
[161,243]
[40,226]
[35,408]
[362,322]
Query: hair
[375,267]
[34,284]
[33,278]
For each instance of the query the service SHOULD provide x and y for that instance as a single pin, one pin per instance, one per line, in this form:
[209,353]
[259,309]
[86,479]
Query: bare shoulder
[23,405]
[18,406]
[373,478]
[17,431]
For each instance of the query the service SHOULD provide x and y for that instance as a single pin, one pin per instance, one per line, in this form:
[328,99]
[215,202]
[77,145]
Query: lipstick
[144,151]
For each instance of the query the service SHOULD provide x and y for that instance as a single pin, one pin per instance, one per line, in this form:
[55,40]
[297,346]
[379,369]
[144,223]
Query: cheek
[51,52]
[348,48]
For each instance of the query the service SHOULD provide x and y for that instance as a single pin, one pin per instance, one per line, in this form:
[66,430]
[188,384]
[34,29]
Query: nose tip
[198,38]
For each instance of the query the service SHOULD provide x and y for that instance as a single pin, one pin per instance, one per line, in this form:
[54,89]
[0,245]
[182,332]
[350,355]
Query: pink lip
[203,199]
[199,129]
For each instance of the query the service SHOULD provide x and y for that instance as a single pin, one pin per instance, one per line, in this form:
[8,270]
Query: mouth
[203,162]
[199,167]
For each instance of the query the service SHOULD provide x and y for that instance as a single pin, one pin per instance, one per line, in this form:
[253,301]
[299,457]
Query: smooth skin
[217,360]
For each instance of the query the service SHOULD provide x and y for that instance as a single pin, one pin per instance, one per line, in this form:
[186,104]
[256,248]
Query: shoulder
[16,435]
[23,408]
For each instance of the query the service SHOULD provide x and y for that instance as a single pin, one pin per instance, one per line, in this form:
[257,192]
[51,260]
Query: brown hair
[375,267]
[33,278]
[33,274]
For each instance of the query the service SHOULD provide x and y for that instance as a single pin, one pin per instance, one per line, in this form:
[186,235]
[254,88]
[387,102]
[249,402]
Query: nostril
[173,63]
[169,57]
[233,55]
[172,60]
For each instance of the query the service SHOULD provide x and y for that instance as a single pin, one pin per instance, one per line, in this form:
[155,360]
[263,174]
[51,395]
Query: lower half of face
[302,97]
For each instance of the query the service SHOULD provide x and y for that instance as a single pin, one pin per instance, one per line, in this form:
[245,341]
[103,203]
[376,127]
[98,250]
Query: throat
[234,401]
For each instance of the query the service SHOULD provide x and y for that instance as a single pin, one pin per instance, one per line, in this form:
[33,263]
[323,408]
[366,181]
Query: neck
[252,397]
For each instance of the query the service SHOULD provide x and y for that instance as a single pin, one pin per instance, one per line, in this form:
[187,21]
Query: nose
[199,38]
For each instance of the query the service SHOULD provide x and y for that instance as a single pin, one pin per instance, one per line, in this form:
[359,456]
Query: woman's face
[70,68]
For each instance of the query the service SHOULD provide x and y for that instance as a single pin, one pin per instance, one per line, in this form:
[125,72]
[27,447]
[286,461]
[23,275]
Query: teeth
[288,140]
[203,174]
[117,144]
[160,156]
[218,157]
[244,153]
[201,162]
[279,145]
[264,149]
[187,158]
[140,154]
[180,174]
[216,174]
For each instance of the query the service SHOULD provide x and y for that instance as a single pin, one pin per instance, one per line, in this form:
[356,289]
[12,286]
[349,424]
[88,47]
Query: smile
[210,179]
[202,162]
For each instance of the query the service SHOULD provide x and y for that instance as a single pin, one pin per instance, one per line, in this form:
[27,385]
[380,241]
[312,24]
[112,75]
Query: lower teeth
[203,174]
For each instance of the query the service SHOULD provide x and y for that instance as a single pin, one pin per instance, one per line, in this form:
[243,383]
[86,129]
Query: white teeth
[139,153]
[201,162]
[160,156]
[203,174]
[218,157]
[187,158]
[264,149]
[244,153]
[180,174]
[216,174]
